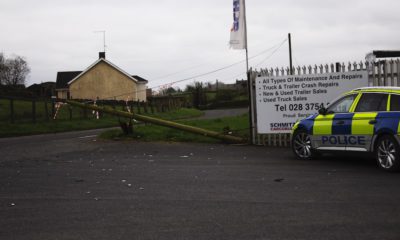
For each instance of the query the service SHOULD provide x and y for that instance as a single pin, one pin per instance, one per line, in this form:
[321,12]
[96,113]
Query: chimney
[102,55]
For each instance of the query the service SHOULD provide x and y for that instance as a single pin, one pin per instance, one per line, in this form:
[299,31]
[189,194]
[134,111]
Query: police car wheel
[387,153]
[301,145]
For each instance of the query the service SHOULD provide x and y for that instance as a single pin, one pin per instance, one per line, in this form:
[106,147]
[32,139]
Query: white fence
[380,73]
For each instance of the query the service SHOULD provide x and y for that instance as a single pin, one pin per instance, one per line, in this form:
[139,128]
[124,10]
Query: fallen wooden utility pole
[161,122]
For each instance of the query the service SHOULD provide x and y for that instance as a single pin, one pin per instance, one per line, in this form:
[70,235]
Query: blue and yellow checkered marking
[361,125]
[354,123]
[323,125]
[341,124]
[388,122]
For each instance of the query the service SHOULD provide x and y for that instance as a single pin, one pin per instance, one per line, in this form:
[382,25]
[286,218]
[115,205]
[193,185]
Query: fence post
[398,72]
[391,72]
[169,103]
[252,106]
[385,74]
[379,74]
[163,106]
[131,106]
[369,66]
[34,111]
[46,109]
[151,107]
[100,103]
[53,107]
[145,106]
[138,106]
[84,113]
[157,106]
[70,112]
[12,110]
[374,75]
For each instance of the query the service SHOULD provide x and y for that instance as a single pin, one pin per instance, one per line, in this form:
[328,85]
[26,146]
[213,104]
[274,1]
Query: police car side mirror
[322,111]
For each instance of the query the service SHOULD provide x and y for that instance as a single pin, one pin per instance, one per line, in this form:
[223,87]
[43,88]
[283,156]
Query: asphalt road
[73,186]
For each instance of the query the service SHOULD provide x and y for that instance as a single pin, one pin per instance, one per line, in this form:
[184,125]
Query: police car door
[365,119]
[330,129]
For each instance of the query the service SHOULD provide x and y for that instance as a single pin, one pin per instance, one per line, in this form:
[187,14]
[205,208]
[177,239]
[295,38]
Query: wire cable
[174,73]
[202,74]
[269,56]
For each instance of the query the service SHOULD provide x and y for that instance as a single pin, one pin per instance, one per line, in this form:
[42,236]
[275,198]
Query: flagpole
[249,85]
[238,40]
[245,35]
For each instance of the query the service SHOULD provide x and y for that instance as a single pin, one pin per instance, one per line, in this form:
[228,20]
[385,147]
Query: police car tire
[387,153]
[298,140]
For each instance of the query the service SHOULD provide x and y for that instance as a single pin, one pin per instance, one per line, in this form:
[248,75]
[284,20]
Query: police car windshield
[342,104]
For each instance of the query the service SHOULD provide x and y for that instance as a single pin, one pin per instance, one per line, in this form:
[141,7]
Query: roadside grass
[23,129]
[182,113]
[23,111]
[237,126]
[63,124]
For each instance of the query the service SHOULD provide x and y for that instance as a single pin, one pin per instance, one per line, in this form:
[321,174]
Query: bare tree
[13,71]
[199,94]
[2,69]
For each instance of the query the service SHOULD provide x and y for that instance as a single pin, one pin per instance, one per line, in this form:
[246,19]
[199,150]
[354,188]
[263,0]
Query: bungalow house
[101,80]
[45,89]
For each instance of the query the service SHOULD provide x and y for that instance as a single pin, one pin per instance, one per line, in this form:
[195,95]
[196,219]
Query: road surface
[74,186]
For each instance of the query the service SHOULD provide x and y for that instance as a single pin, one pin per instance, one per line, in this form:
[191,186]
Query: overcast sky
[154,39]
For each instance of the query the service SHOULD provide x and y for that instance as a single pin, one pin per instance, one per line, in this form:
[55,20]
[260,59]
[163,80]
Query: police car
[364,119]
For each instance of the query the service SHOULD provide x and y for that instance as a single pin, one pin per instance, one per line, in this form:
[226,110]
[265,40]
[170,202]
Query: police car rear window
[372,102]
[395,103]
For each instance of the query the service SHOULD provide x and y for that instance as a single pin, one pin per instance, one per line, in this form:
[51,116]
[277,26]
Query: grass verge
[237,126]
[63,125]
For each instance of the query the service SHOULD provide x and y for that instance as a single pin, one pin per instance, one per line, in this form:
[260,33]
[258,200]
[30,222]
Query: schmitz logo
[281,126]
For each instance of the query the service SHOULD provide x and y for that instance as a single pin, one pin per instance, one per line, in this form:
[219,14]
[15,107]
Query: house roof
[43,84]
[140,79]
[109,63]
[64,77]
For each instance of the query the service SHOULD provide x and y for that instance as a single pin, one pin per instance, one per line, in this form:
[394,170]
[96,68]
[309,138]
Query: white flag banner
[238,30]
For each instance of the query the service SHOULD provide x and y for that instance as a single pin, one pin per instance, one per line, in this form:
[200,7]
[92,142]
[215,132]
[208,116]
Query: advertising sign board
[282,100]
